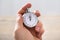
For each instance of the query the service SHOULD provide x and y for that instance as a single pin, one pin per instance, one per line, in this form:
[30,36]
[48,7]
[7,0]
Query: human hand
[24,33]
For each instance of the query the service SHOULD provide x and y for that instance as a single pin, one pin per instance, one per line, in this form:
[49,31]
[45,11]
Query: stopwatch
[30,19]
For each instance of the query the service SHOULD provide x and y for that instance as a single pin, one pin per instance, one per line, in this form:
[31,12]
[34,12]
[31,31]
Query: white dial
[30,19]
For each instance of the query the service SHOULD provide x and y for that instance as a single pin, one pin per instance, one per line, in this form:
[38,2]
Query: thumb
[19,21]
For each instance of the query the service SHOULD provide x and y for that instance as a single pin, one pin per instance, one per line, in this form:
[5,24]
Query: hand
[24,33]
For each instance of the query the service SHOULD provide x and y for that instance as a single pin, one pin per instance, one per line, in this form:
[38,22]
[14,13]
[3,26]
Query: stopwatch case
[30,23]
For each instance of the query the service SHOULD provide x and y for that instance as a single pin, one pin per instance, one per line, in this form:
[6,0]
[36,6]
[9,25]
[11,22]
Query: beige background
[51,25]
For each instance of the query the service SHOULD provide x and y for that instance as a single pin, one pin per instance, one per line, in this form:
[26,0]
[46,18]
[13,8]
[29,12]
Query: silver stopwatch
[30,19]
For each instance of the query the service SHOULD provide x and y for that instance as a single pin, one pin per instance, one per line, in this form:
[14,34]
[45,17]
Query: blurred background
[50,17]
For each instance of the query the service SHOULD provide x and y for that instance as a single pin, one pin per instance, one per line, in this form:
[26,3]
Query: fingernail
[37,29]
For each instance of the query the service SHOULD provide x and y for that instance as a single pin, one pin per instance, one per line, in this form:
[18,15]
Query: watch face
[30,19]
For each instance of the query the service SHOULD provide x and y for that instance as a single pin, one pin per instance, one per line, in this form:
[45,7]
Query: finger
[19,21]
[24,8]
[38,27]
[37,13]
[40,33]
[39,30]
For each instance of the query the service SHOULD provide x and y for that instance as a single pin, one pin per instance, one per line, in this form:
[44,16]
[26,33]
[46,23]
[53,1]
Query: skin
[22,32]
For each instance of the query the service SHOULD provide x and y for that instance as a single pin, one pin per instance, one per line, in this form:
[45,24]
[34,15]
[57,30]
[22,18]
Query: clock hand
[30,17]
